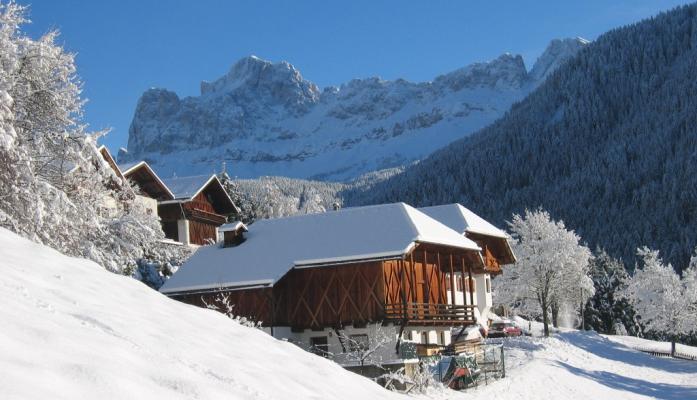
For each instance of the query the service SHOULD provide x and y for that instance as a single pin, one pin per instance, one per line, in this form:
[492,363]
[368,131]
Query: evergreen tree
[607,312]
[606,143]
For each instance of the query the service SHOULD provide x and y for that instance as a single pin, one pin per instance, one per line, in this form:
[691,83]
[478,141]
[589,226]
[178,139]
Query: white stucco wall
[484,300]
[387,334]
[183,231]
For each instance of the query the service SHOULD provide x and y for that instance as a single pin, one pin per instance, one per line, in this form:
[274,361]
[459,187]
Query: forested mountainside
[608,144]
[266,119]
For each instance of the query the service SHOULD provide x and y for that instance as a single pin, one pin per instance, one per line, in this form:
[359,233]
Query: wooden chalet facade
[410,290]
[496,250]
[304,277]
[191,209]
[199,207]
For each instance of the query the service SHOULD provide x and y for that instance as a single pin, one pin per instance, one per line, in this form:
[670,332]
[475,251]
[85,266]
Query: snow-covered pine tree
[665,303]
[248,208]
[55,187]
[606,143]
[607,311]
[551,274]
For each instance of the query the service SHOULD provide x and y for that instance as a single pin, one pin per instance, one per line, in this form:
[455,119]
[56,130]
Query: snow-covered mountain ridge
[264,118]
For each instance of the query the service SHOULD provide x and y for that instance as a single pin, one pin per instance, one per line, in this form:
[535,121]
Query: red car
[504,329]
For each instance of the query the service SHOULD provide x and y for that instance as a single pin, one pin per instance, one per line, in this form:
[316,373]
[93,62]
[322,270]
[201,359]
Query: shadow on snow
[663,391]
[605,348]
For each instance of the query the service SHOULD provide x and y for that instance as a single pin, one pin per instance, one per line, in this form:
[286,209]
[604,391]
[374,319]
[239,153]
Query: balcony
[425,314]
[191,211]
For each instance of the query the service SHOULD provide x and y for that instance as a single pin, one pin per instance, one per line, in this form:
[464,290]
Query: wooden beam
[462,279]
[452,280]
[412,269]
[439,276]
[472,286]
[427,278]
[401,288]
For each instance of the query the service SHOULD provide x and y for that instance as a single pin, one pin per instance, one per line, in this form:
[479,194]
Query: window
[319,346]
[488,285]
[473,286]
[358,342]
[447,281]
[459,283]
[442,338]
[424,337]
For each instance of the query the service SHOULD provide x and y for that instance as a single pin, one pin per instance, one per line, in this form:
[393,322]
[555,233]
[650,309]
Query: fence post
[503,363]
[672,348]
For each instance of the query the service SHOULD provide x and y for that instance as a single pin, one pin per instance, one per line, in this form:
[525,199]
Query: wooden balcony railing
[431,314]
[192,212]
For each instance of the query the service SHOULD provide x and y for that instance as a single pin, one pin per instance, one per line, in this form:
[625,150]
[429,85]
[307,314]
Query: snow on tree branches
[665,302]
[552,272]
[55,188]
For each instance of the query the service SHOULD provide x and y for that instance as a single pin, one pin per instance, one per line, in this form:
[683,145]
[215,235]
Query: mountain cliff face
[608,143]
[263,118]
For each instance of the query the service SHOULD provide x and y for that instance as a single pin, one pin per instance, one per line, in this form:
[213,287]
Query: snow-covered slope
[266,119]
[71,330]
[585,365]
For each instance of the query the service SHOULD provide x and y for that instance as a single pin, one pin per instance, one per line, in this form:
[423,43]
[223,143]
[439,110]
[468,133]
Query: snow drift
[73,330]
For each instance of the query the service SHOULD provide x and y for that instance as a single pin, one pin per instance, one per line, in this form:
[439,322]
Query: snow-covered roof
[233,226]
[128,168]
[461,219]
[186,187]
[275,246]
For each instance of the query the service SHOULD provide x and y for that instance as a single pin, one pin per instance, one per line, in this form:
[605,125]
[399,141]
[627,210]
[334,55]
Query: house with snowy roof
[198,207]
[496,252]
[191,209]
[321,279]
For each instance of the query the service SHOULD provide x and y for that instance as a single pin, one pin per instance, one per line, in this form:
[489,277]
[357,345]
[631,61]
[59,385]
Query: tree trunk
[555,314]
[545,317]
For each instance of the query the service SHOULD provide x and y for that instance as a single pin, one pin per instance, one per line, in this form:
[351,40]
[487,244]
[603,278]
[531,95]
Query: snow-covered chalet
[322,280]
[191,209]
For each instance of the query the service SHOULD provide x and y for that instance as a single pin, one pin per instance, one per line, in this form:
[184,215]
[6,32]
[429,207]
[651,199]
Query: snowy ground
[652,345]
[70,330]
[584,365]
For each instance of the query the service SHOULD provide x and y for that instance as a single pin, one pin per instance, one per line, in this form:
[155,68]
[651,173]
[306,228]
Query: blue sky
[124,47]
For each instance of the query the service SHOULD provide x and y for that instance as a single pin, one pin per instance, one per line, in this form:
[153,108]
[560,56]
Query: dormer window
[233,233]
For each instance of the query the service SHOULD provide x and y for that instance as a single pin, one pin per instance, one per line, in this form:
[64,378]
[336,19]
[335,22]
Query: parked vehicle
[504,329]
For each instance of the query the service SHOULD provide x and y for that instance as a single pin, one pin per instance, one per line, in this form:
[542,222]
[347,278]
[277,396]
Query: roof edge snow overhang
[214,177]
[502,235]
[470,247]
[329,262]
[152,171]
[194,289]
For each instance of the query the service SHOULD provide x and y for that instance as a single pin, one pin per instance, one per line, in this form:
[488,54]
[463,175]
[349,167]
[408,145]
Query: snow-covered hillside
[578,365]
[266,119]
[72,330]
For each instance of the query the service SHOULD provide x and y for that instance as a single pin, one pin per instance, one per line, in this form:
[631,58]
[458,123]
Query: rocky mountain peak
[266,119]
[505,71]
[557,52]
[253,75]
